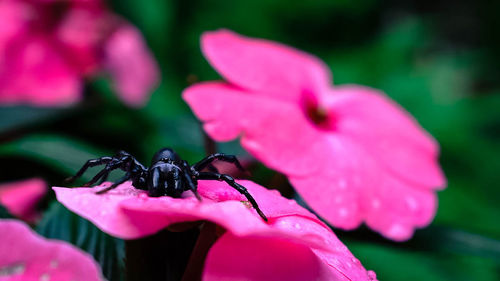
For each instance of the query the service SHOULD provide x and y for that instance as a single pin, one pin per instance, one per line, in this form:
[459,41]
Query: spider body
[168,174]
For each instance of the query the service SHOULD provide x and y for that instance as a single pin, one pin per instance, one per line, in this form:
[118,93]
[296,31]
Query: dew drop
[397,230]
[343,212]
[297,226]
[372,275]
[411,203]
[54,264]
[143,196]
[342,184]
[375,203]
[45,277]
[355,260]
[12,269]
[104,212]
[338,199]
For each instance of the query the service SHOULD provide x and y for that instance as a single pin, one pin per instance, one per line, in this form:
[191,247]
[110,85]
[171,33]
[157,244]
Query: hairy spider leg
[240,188]
[188,176]
[115,184]
[90,163]
[207,161]
[113,165]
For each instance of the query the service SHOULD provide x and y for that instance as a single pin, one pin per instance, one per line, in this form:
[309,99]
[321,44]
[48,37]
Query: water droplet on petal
[45,277]
[342,184]
[338,199]
[355,260]
[375,203]
[54,264]
[343,212]
[411,203]
[143,196]
[297,226]
[12,269]
[397,230]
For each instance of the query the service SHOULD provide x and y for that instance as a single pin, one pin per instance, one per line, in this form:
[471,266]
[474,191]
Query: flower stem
[206,239]
[210,145]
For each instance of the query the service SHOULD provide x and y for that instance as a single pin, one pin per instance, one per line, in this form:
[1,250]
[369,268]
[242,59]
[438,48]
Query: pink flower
[27,256]
[20,198]
[48,48]
[250,249]
[350,152]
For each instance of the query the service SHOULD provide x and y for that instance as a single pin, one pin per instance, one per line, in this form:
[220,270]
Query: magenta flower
[20,198]
[350,152]
[48,48]
[250,249]
[27,256]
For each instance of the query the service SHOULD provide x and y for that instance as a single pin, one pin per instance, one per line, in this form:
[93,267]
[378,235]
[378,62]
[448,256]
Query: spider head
[165,153]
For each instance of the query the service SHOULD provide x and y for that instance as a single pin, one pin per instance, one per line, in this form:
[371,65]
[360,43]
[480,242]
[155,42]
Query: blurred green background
[439,59]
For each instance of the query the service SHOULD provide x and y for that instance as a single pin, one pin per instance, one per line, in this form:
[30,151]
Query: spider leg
[188,176]
[109,167]
[88,164]
[115,184]
[207,161]
[154,178]
[103,178]
[240,188]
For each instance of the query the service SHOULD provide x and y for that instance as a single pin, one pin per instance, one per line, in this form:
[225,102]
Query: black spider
[168,174]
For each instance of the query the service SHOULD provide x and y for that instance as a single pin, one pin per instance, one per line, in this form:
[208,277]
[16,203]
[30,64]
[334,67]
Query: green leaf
[397,263]
[59,223]
[65,154]
[13,117]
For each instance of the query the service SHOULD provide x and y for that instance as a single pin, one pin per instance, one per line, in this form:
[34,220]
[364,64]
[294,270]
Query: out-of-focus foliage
[437,59]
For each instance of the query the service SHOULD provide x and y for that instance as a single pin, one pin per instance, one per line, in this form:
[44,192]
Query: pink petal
[260,256]
[20,198]
[260,259]
[14,15]
[262,66]
[27,256]
[283,145]
[132,66]
[342,264]
[81,33]
[129,213]
[36,74]
[388,133]
[352,188]
[334,192]
[395,208]
[122,211]
[369,145]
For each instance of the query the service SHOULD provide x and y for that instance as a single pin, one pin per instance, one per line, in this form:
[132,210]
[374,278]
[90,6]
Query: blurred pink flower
[27,256]
[48,48]
[250,249]
[20,198]
[352,153]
